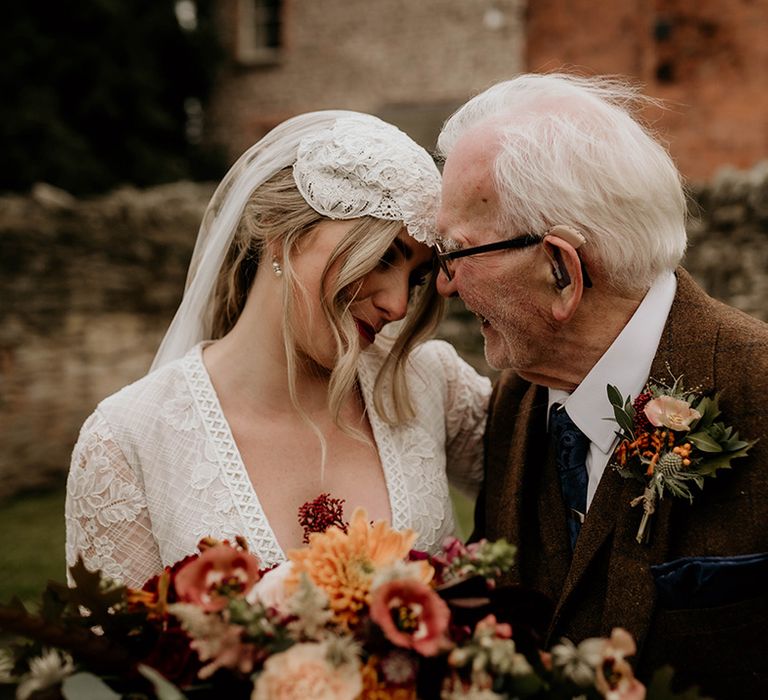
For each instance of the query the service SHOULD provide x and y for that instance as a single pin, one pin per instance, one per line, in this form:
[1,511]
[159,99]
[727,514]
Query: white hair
[571,152]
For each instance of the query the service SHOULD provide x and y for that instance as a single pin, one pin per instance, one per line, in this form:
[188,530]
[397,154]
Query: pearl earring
[276,268]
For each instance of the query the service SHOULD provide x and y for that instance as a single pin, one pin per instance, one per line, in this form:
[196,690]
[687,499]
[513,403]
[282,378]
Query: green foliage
[660,687]
[623,412]
[95,90]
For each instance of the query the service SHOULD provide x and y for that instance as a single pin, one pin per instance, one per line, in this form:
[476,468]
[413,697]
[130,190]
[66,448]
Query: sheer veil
[345,164]
[277,150]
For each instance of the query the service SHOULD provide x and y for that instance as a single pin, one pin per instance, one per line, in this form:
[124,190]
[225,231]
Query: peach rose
[304,671]
[671,413]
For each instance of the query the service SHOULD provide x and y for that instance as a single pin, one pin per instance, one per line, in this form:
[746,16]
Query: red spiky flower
[320,514]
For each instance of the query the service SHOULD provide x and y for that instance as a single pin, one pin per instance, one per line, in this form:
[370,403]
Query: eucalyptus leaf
[624,421]
[628,474]
[705,442]
[660,687]
[614,396]
[164,689]
[86,686]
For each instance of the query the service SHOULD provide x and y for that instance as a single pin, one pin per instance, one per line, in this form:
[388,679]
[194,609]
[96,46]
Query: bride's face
[378,298]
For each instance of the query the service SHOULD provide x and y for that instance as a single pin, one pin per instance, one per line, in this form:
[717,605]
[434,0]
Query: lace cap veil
[345,164]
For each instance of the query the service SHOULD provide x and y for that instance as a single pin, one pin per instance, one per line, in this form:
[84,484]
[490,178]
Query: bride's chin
[317,367]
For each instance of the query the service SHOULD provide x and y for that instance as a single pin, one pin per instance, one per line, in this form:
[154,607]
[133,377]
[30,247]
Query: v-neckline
[235,474]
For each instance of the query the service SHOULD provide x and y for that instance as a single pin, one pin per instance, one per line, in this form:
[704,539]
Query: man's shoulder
[691,301]
[739,340]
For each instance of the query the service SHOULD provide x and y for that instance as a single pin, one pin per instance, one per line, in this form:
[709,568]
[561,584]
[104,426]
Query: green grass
[32,551]
[464,509]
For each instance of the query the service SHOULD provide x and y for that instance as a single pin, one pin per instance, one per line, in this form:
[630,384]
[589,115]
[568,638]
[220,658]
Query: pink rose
[614,677]
[218,574]
[488,626]
[304,671]
[670,412]
[411,615]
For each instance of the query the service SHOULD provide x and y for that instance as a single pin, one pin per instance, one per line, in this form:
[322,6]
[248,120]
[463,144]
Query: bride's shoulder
[145,398]
[437,354]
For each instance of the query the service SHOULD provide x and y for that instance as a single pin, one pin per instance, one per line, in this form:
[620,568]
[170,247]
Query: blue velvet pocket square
[706,582]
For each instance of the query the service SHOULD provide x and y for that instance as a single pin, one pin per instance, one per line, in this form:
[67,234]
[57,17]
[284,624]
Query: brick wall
[707,58]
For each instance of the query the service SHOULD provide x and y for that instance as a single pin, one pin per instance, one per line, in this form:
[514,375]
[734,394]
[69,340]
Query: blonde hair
[277,217]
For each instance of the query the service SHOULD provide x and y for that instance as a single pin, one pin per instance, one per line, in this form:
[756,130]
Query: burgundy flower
[320,514]
[221,572]
[411,615]
[172,656]
[642,424]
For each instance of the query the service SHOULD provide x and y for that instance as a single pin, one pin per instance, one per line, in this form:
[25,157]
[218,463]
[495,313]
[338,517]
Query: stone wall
[87,289]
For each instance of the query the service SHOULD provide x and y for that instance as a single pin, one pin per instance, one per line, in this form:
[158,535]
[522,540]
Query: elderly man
[563,223]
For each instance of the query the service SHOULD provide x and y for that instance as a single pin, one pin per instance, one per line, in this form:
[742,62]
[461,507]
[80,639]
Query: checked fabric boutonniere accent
[671,440]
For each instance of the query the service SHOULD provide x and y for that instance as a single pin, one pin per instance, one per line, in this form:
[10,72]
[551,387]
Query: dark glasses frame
[511,243]
[526,241]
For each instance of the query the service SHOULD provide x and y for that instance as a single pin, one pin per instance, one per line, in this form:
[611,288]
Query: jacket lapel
[687,348]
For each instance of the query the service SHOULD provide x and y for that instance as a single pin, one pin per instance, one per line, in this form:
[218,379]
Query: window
[259,31]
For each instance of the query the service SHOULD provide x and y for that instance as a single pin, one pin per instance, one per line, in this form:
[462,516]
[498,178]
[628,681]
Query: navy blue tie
[571,448]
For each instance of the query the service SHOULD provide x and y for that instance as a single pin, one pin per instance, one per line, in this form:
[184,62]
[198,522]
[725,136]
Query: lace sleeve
[466,410]
[106,513]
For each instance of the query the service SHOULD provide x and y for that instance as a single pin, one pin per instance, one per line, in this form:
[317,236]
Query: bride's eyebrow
[403,247]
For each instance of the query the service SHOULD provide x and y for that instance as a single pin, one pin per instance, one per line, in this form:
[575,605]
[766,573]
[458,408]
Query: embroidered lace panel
[156,467]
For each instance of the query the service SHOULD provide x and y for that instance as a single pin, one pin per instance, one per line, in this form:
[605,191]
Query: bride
[295,365]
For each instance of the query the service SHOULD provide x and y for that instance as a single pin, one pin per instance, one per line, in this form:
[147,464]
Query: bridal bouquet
[354,614]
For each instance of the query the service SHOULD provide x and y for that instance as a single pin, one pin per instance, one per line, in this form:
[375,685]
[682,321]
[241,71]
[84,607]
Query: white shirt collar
[626,364]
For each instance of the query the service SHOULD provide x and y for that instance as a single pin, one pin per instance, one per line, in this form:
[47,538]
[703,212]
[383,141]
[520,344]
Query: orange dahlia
[343,563]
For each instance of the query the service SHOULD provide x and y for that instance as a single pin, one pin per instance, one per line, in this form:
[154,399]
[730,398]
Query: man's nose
[445,286]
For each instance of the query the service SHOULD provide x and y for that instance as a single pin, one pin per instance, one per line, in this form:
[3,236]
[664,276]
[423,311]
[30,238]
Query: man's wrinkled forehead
[469,191]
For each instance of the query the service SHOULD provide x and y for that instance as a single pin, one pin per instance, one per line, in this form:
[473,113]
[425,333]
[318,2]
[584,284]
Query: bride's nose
[392,300]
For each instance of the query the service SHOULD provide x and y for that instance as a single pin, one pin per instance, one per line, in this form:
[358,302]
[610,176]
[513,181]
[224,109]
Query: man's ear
[567,277]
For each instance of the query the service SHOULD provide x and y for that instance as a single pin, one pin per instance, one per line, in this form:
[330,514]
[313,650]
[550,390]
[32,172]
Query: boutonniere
[671,440]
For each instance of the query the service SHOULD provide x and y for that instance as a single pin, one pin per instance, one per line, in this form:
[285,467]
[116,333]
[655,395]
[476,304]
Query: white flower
[44,672]
[6,667]
[398,571]
[270,589]
[311,607]
[579,663]
[398,668]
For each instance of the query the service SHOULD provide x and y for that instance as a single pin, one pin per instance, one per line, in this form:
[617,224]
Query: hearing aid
[569,235]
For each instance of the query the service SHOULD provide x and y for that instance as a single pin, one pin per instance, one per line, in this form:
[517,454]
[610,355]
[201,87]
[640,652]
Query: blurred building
[413,61]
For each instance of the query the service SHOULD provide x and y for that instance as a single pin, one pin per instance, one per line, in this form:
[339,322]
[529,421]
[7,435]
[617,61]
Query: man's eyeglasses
[446,257]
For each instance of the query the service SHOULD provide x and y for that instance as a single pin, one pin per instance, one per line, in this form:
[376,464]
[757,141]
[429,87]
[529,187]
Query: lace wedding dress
[156,467]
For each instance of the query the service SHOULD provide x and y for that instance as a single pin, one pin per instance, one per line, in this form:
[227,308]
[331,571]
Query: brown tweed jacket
[608,582]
